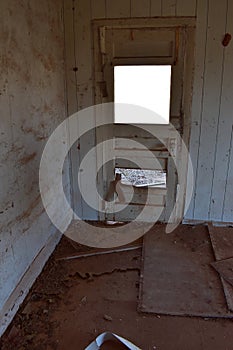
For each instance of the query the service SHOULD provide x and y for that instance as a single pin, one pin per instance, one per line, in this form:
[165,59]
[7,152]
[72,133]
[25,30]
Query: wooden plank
[225,269]
[117,9]
[183,160]
[177,278]
[147,132]
[140,153]
[186,7]
[140,8]
[132,153]
[222,243]
[142,197]
[137,161]
[168,8]
[98,9]
[171,190]
[197,98]
[156,8]
[154,191]
[221,188]
[83,45]
[150,144]
[71,95]
[146,22]
[210,108]
[227,207]
[140,48]
[131,212]
[221,184]
[147,164]
[178,76]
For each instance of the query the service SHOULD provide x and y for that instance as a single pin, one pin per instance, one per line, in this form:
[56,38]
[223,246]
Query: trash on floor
[102,338]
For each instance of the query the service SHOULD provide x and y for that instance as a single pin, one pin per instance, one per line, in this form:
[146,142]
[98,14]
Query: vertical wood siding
[211,126]
[212,115]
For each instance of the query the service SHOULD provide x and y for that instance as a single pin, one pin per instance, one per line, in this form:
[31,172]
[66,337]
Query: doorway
[150,66]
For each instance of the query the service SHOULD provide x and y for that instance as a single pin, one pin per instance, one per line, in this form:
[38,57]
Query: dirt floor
[75,300]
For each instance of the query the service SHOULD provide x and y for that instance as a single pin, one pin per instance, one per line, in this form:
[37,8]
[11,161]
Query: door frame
[187,24]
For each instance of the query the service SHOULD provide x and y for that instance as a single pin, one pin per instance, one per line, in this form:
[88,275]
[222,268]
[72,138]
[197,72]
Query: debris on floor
[102,338]
[75,300]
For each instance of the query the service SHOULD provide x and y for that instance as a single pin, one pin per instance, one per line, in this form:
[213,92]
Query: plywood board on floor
[177,278]
[225,269]
[222,243]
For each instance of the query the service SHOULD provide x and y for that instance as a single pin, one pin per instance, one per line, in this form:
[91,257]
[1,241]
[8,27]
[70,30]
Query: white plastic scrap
[96,344]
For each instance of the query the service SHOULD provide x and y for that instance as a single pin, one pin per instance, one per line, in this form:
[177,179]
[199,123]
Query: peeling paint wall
[32,104]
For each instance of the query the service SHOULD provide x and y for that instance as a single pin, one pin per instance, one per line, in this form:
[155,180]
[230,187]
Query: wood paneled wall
[211,146]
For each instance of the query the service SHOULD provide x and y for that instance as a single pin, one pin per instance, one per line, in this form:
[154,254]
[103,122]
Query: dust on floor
[74,300]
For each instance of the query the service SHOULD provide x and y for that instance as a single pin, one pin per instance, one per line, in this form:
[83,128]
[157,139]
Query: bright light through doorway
[146,86]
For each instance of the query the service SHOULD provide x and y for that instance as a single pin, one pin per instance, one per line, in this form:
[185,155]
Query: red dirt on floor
[75,300]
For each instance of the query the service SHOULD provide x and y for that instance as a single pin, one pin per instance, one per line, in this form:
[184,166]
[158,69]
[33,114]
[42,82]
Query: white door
[120,48]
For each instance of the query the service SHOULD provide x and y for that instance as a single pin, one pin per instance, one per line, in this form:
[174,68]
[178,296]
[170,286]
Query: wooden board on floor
[222,243]
[225,269]
[177,278]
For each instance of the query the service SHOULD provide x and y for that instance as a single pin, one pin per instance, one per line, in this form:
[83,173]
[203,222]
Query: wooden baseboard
[206,222]
[20,292]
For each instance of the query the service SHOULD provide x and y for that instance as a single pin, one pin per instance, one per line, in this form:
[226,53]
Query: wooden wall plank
[133,211]
[71,94]
[197,98]
[227,210]
[156,8]
[98,9]
[210,109]
[140,8]
[118,9]
[168,7]
[186,7]
[83,44]
[223,140]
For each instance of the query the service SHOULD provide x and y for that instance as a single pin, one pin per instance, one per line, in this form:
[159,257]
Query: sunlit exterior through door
[147,86]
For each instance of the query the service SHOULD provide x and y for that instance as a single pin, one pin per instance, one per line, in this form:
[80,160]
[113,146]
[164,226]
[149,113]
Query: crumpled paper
[96,344]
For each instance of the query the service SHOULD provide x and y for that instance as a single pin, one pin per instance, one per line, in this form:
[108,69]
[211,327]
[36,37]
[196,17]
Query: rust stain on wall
[27,158]
[38,136]
[27,213]
[47,60]
[32,206]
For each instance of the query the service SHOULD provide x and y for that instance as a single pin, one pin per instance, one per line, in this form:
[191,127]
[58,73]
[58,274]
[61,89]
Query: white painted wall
[212,115]
[211,128]
[32,104]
